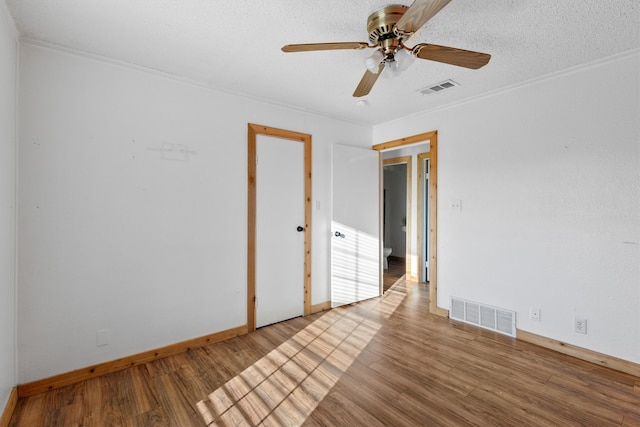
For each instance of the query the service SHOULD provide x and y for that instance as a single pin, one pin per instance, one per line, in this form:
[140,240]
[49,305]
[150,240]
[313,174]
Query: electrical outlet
[580,325]
[456,205]
[534,314]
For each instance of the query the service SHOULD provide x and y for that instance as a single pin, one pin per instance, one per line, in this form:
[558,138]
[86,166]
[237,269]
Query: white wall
[8,60]
[549,179]
[115,237]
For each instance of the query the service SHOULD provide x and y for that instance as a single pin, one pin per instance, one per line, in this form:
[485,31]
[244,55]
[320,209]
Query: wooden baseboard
[9,408]
[441,312]
[57,381]
[321,307]
[580,353]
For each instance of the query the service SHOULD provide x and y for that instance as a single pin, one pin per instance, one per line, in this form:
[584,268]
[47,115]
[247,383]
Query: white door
[279,232]
[355,227]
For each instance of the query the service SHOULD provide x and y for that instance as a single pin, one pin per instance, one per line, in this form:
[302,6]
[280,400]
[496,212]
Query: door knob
[339,234]
[300,228]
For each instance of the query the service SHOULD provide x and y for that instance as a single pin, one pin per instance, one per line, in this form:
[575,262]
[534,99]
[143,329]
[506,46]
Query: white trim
[191,82]
[16,209]
[545,77]
[174,77]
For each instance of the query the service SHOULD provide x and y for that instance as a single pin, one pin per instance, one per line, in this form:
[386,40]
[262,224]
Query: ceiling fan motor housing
[380,27]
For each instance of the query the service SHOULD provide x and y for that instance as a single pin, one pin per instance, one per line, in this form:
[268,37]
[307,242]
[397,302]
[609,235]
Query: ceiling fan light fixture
[398,62]
[403,60]
[394,70]
[373,62]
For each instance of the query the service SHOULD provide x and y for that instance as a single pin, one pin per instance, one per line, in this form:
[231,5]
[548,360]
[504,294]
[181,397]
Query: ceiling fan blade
[308,47]
[367,82]
[417,15]
[451,55]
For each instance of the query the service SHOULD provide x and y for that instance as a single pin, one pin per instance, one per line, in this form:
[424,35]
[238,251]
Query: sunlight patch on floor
[286,385]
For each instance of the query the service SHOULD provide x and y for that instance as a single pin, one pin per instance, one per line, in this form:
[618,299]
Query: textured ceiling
[234,45]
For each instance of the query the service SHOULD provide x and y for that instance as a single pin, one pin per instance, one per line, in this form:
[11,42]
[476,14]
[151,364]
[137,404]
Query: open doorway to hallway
[396,218]
[423,145]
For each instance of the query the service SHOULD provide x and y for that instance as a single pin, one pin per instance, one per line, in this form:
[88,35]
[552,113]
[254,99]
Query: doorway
[278,146]
[432,138]
[396,222]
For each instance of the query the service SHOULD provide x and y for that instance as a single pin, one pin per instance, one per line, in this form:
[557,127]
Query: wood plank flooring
[397,269]
[383,362]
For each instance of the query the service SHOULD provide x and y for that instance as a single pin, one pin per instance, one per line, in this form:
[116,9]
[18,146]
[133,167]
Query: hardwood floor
[397,269]
[382,362]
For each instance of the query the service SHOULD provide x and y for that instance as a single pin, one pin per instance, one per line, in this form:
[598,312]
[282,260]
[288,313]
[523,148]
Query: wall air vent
[484,316]
[438,87]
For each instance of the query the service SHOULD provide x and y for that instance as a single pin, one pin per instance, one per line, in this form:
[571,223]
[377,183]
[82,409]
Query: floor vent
[484,316]
[438,87]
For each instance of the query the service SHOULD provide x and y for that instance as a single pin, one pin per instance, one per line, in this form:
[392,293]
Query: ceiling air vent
[484,316]
[438,87]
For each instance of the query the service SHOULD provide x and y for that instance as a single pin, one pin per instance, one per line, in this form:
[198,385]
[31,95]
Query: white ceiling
[234,45]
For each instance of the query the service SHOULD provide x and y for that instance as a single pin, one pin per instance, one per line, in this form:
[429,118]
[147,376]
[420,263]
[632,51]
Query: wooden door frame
[421,157]
[432,137]
[252,134]
[405,160]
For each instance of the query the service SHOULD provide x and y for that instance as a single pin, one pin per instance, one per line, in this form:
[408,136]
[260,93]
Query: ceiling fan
[388,29]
